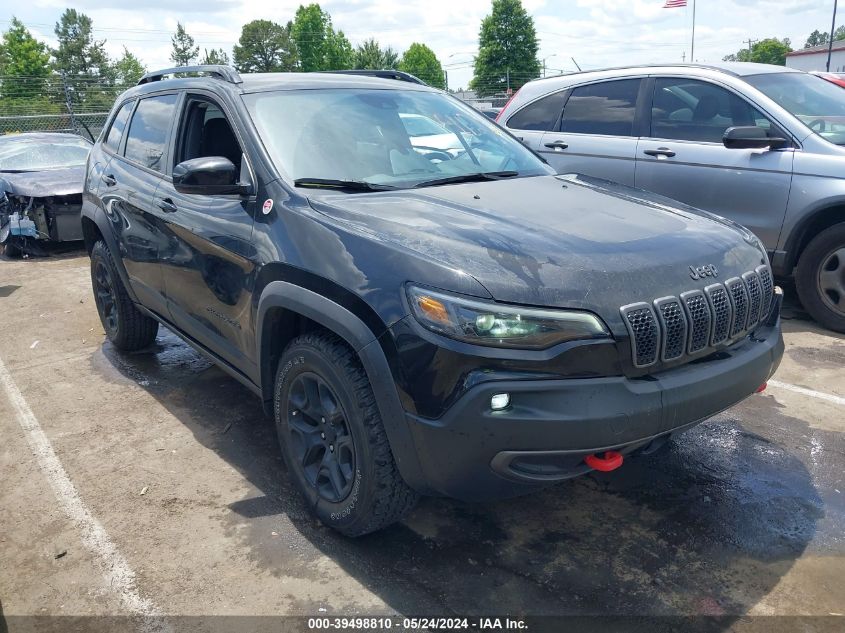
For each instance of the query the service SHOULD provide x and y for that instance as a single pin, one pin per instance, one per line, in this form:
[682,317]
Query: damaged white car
[41,178]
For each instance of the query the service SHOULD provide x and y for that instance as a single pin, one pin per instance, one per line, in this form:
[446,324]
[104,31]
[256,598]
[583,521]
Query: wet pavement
[741,516]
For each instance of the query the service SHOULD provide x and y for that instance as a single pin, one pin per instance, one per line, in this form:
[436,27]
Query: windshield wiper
[350,185]
[480,176]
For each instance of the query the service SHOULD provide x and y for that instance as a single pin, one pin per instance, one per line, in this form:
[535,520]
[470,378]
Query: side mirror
[751,137]
[209,175]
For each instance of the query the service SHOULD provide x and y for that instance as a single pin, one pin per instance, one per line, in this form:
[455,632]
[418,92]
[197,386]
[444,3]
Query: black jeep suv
[424,305]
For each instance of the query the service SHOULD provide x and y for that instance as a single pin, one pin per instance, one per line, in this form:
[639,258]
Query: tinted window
[690,110]
[605,108]
[116,130]
[205,132]
[540,115]
[147,138]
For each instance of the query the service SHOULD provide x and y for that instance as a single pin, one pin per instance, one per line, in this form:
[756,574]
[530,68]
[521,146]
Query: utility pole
[508,79]
[446,79]
[749,41]
[684,56]
[830,39]
[692,45]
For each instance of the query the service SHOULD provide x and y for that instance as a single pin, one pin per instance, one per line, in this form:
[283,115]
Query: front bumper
[474,453]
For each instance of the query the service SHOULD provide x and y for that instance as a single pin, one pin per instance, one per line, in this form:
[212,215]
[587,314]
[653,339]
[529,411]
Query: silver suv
[762,145]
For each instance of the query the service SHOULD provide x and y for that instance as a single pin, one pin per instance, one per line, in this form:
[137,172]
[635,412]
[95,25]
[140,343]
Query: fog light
[500,401]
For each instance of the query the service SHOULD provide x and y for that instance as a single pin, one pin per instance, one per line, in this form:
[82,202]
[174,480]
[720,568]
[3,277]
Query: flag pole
[692,47]
[830,39]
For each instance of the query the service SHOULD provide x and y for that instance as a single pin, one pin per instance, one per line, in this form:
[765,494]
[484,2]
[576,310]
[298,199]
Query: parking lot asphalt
[151,483]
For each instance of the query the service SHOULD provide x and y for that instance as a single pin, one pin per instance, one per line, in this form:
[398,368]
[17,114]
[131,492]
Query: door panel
[127,194]
[208,261]
[683,158]
[597,132]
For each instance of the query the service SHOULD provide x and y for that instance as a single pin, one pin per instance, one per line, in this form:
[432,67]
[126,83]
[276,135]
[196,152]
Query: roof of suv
[737,69]
[258,82]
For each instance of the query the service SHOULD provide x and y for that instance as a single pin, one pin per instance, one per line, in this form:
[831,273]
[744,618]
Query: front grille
[671,327]
[642,326]
[739,302]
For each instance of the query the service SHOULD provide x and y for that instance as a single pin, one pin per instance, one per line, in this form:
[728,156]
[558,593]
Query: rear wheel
[333,439]
[820,278]
[126,327]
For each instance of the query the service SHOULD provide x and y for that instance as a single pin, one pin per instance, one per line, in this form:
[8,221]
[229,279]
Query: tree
[507,49]
[215,56]
[371,56]
[817,37]
[420,61]
[768,51]
[184,52]
[265,47]
[78,53]
[128,69]
[318,45]
[24,58]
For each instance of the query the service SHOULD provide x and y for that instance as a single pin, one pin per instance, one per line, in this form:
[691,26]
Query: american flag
[674,4]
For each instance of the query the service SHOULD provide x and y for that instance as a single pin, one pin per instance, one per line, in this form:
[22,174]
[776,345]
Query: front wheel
[820,278]
[126,327]
[333,440]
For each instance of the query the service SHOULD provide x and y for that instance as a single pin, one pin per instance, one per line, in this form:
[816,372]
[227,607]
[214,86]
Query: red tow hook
[761,388]
[611,461]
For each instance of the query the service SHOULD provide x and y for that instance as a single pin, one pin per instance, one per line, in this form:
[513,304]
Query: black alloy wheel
[320,437]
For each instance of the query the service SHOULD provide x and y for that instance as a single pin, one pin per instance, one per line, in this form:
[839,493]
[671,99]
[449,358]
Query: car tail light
[502,111]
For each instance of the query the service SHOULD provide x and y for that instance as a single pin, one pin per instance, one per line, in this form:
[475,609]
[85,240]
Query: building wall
[817,61]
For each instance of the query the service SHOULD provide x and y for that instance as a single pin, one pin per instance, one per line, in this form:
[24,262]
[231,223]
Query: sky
[595,33]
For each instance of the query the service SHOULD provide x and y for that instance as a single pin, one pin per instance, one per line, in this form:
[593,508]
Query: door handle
[660,151]
[109,180]
[167,205]
[557,145]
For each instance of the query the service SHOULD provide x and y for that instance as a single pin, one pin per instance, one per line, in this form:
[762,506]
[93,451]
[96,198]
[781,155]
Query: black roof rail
[226,73]
[383,74]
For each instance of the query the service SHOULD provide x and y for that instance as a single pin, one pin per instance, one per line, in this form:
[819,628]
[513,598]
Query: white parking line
[808,392]
[119,576]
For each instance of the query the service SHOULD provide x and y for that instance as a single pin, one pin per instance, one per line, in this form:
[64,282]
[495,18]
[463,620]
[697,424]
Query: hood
[558,241]
[40,184]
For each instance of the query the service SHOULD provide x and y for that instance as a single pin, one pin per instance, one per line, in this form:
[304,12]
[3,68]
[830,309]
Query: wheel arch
[814,223]
[286,310]
[95,226]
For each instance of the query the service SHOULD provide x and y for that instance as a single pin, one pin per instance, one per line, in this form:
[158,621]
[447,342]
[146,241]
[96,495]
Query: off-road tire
[814,257]
[379,496]
[130,329]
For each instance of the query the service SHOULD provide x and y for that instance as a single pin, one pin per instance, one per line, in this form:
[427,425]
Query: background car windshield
[363,135]
[820,105]
[35,155]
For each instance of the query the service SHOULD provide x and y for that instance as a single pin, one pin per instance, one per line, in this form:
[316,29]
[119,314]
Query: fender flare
[336,318]
[101,221]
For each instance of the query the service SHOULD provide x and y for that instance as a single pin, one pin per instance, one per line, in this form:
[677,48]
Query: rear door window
[149,131]
[118,125]
[605,108]
[541,115]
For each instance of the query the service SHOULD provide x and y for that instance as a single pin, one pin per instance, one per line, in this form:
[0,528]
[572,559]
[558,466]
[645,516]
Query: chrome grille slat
[673,327]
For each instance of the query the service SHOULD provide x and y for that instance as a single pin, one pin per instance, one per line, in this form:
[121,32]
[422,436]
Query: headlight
[484,323]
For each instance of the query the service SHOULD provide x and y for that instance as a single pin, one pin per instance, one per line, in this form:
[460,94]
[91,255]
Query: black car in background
[41,178]
[466,323]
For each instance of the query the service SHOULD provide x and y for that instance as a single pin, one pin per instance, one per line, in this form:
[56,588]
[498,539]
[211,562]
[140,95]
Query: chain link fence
[78,105]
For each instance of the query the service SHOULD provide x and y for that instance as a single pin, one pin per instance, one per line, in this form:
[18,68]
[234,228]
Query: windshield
[820,105]
[367,135]
[28,154]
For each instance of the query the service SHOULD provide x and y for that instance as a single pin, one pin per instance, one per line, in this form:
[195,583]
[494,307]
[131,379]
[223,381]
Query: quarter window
[540,115]
[148,131]
[691,110]
[116,130]
[603,108]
